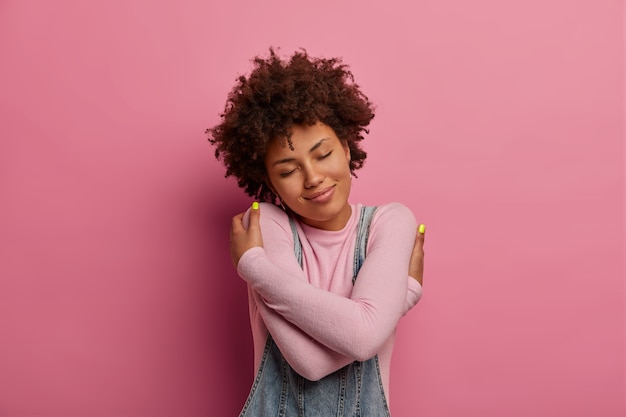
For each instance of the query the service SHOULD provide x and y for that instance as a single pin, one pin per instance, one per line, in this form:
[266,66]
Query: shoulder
[274,221]
[393,229]
[273,212]
[394,214]
[270,215]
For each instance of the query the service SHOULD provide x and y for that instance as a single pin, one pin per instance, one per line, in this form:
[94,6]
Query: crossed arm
[318,331]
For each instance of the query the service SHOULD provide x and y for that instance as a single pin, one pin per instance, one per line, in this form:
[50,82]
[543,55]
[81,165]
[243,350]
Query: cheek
[287,189]
[343,167]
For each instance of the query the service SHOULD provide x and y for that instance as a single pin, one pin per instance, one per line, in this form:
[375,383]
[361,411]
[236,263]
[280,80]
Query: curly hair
[277,95]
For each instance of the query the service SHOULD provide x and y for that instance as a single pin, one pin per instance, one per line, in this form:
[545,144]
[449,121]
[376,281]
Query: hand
[242,239]
[416,264]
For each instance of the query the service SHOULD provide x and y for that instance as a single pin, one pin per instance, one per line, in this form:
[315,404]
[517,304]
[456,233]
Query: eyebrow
[313,148]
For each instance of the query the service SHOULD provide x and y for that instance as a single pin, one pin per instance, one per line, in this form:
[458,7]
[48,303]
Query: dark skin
[242,239]
[416,264]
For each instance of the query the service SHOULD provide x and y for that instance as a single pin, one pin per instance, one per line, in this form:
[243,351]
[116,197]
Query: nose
[312,177]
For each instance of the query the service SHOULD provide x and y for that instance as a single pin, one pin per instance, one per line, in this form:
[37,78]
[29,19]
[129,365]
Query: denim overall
[355,390]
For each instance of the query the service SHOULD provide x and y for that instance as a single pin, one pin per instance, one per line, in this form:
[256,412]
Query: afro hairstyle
[278,94]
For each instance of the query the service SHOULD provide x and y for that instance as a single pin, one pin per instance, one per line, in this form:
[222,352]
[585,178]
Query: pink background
[499,123]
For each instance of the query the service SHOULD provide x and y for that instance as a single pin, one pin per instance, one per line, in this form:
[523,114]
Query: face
[313,179]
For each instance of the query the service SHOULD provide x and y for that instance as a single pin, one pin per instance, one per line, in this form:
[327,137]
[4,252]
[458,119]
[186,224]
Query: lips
[321,196]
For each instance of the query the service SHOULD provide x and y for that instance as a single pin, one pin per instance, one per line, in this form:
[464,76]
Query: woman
[327,279]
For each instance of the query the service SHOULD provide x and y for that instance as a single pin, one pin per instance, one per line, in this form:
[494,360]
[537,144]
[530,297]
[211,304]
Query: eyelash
[325,156]
[286,174]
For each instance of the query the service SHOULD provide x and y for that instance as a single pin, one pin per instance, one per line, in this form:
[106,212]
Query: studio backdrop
[499,123]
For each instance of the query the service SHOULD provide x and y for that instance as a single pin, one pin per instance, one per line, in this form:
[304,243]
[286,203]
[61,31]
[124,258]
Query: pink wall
[499,123]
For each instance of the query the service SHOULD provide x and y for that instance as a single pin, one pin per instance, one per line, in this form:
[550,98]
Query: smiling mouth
[321,195]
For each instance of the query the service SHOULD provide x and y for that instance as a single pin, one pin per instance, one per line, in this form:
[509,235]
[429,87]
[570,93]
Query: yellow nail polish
[255,206]
[421,228]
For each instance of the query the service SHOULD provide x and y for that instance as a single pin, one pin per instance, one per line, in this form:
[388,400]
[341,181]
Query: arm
[413,294]
[306,356]
[416,270]
[357,326]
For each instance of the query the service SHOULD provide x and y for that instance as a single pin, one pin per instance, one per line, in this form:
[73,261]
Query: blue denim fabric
[355,390]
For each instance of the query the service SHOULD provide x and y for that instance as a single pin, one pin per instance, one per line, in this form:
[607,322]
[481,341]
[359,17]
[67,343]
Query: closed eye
[286,174]
[326,155]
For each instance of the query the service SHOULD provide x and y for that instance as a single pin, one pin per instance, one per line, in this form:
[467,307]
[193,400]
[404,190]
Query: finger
[236,225]
[255,215]
[421,233]
[416,264]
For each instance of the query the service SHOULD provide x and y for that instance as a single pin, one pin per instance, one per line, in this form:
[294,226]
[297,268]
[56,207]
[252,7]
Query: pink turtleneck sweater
[318,319]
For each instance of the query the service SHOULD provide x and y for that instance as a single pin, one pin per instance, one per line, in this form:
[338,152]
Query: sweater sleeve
[358,326]
[413,294]
[306,356]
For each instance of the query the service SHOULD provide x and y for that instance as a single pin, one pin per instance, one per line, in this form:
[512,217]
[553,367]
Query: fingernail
[255,206]
[421,228]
